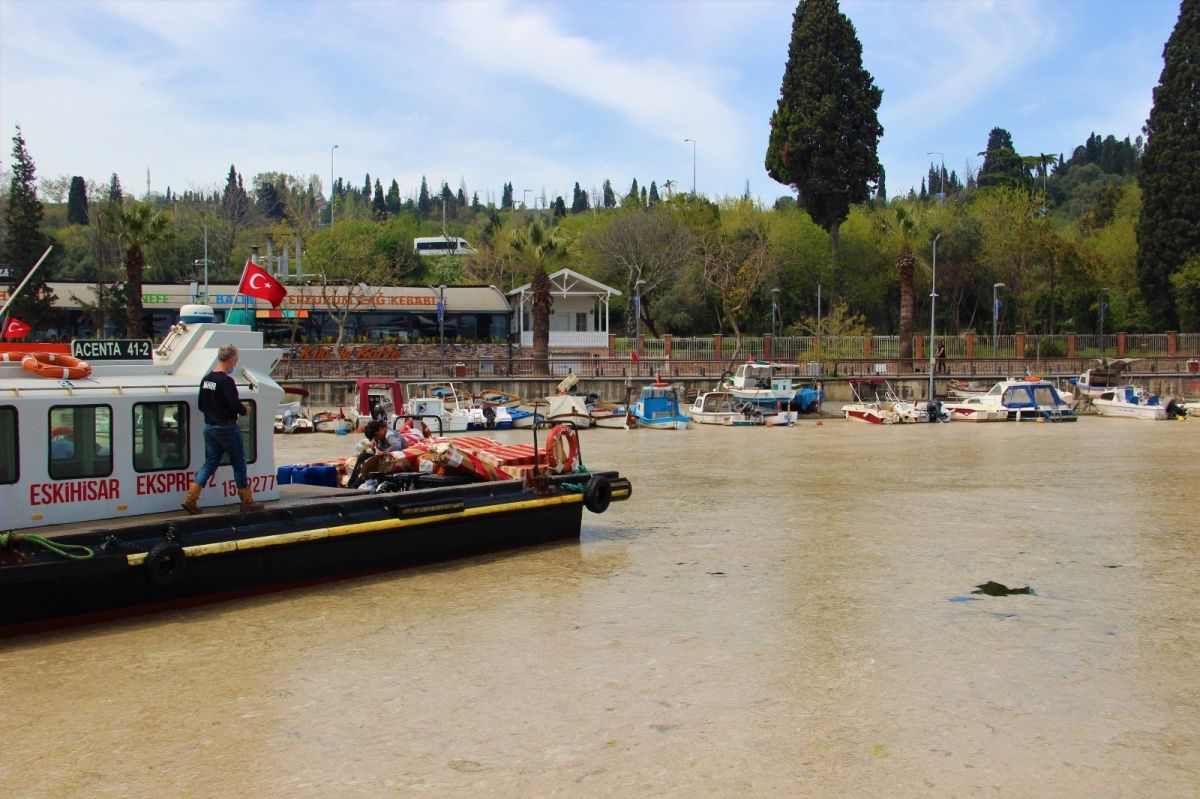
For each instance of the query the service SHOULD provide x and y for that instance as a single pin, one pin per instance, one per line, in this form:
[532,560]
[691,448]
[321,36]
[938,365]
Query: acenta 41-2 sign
[137,349]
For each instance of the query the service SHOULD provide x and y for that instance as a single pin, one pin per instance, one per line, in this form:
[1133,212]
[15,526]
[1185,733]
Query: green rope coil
[72,551]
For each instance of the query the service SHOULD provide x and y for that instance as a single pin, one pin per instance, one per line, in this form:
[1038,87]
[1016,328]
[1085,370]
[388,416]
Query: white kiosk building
[579,317]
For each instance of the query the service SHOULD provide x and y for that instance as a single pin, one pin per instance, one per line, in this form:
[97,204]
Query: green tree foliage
[378,204]
[139,225]
[1169,227]
[825,130]
[392,201]
[23,241]
[579,200]
[610,197]
[506,196]
[1002,166]
[349,266]
[77,202]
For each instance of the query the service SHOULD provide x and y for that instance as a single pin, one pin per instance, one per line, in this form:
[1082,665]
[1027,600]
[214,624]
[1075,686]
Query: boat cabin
[119,435]
[761,375]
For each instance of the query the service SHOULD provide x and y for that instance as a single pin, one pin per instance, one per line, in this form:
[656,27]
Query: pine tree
[23,241]
[825,130]
[77,203]
[610,197]
[1168,231]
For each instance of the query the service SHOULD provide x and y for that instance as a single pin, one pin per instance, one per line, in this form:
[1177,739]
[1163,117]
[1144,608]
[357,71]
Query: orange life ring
[1033,379]
[56,366]
[562,449]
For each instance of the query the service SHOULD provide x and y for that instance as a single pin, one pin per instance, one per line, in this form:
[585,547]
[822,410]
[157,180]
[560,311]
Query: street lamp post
[693,141]
[941,177]
[932,312]
[995,318]
[637,316]
[441,317]
[1103,308]
[332,193]
[774,313]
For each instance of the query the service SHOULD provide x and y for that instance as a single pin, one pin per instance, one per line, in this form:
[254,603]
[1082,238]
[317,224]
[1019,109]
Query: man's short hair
[372,427]
[227,353]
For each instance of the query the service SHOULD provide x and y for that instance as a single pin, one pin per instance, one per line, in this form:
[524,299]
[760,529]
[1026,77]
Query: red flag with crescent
[257,282]
[16,328]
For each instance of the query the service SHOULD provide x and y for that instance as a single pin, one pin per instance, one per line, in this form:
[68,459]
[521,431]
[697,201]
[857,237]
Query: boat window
[160,436]
[1044,395]
[8,445]
[80,439]
[248,425]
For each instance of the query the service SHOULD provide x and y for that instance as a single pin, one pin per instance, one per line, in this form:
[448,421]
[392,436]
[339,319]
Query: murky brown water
[775,613]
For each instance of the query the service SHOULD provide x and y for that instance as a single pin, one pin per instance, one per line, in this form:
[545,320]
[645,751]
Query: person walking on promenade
[218,401]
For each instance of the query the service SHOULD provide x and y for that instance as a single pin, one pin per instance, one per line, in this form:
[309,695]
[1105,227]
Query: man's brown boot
[193,496]
[248,503]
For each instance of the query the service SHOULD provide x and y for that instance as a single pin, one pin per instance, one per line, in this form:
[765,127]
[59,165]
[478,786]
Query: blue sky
[543,94]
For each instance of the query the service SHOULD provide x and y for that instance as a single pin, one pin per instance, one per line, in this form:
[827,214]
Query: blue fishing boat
[659,407]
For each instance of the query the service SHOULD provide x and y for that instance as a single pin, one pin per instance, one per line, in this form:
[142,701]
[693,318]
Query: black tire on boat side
[598,494]
[165,563]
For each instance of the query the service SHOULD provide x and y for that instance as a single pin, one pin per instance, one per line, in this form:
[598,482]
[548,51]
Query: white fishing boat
[722,408]
[567,408]
[769,385]
[446,401]
[293,414]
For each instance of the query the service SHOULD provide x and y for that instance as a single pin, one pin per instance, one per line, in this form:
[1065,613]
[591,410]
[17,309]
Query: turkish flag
[257,282]
[16,328]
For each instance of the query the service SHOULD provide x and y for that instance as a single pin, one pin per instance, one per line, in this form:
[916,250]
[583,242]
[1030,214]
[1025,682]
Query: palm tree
[538,246]
[138,226]
[904,228]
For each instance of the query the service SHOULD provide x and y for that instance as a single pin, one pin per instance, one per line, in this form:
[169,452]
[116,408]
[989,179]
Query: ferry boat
[95,459]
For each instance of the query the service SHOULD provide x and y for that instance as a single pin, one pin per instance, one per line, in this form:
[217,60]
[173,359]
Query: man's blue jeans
[219,440]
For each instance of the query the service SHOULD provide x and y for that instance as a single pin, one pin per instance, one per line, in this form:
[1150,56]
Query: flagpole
[28,277]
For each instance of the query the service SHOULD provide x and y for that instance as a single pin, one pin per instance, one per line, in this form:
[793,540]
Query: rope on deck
[72,551]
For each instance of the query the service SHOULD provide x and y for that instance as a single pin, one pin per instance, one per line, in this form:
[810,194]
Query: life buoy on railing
[562,449]
[56,366]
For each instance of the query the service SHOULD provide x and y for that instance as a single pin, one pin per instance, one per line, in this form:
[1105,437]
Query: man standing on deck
[221,407]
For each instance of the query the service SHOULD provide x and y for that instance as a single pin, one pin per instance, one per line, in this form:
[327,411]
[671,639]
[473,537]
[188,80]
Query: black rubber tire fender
[165,563]
[598,494]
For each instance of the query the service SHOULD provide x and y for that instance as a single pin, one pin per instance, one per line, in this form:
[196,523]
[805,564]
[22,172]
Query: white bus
[441,245]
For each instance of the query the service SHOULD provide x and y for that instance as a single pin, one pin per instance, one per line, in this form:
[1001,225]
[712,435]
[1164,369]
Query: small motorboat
[965,389]
[1024,400]
[492,396]
[331,422]
[567,408]
[767,384]
[876,402]
[1135,402]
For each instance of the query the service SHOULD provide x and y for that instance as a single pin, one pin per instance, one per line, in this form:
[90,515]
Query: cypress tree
[23,241]
[378,206]
[652,199]
[77,210]
[506,197]
[115,195]
[1169,174]
[393,198]
[424,204]
[825,130]
[610,197]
